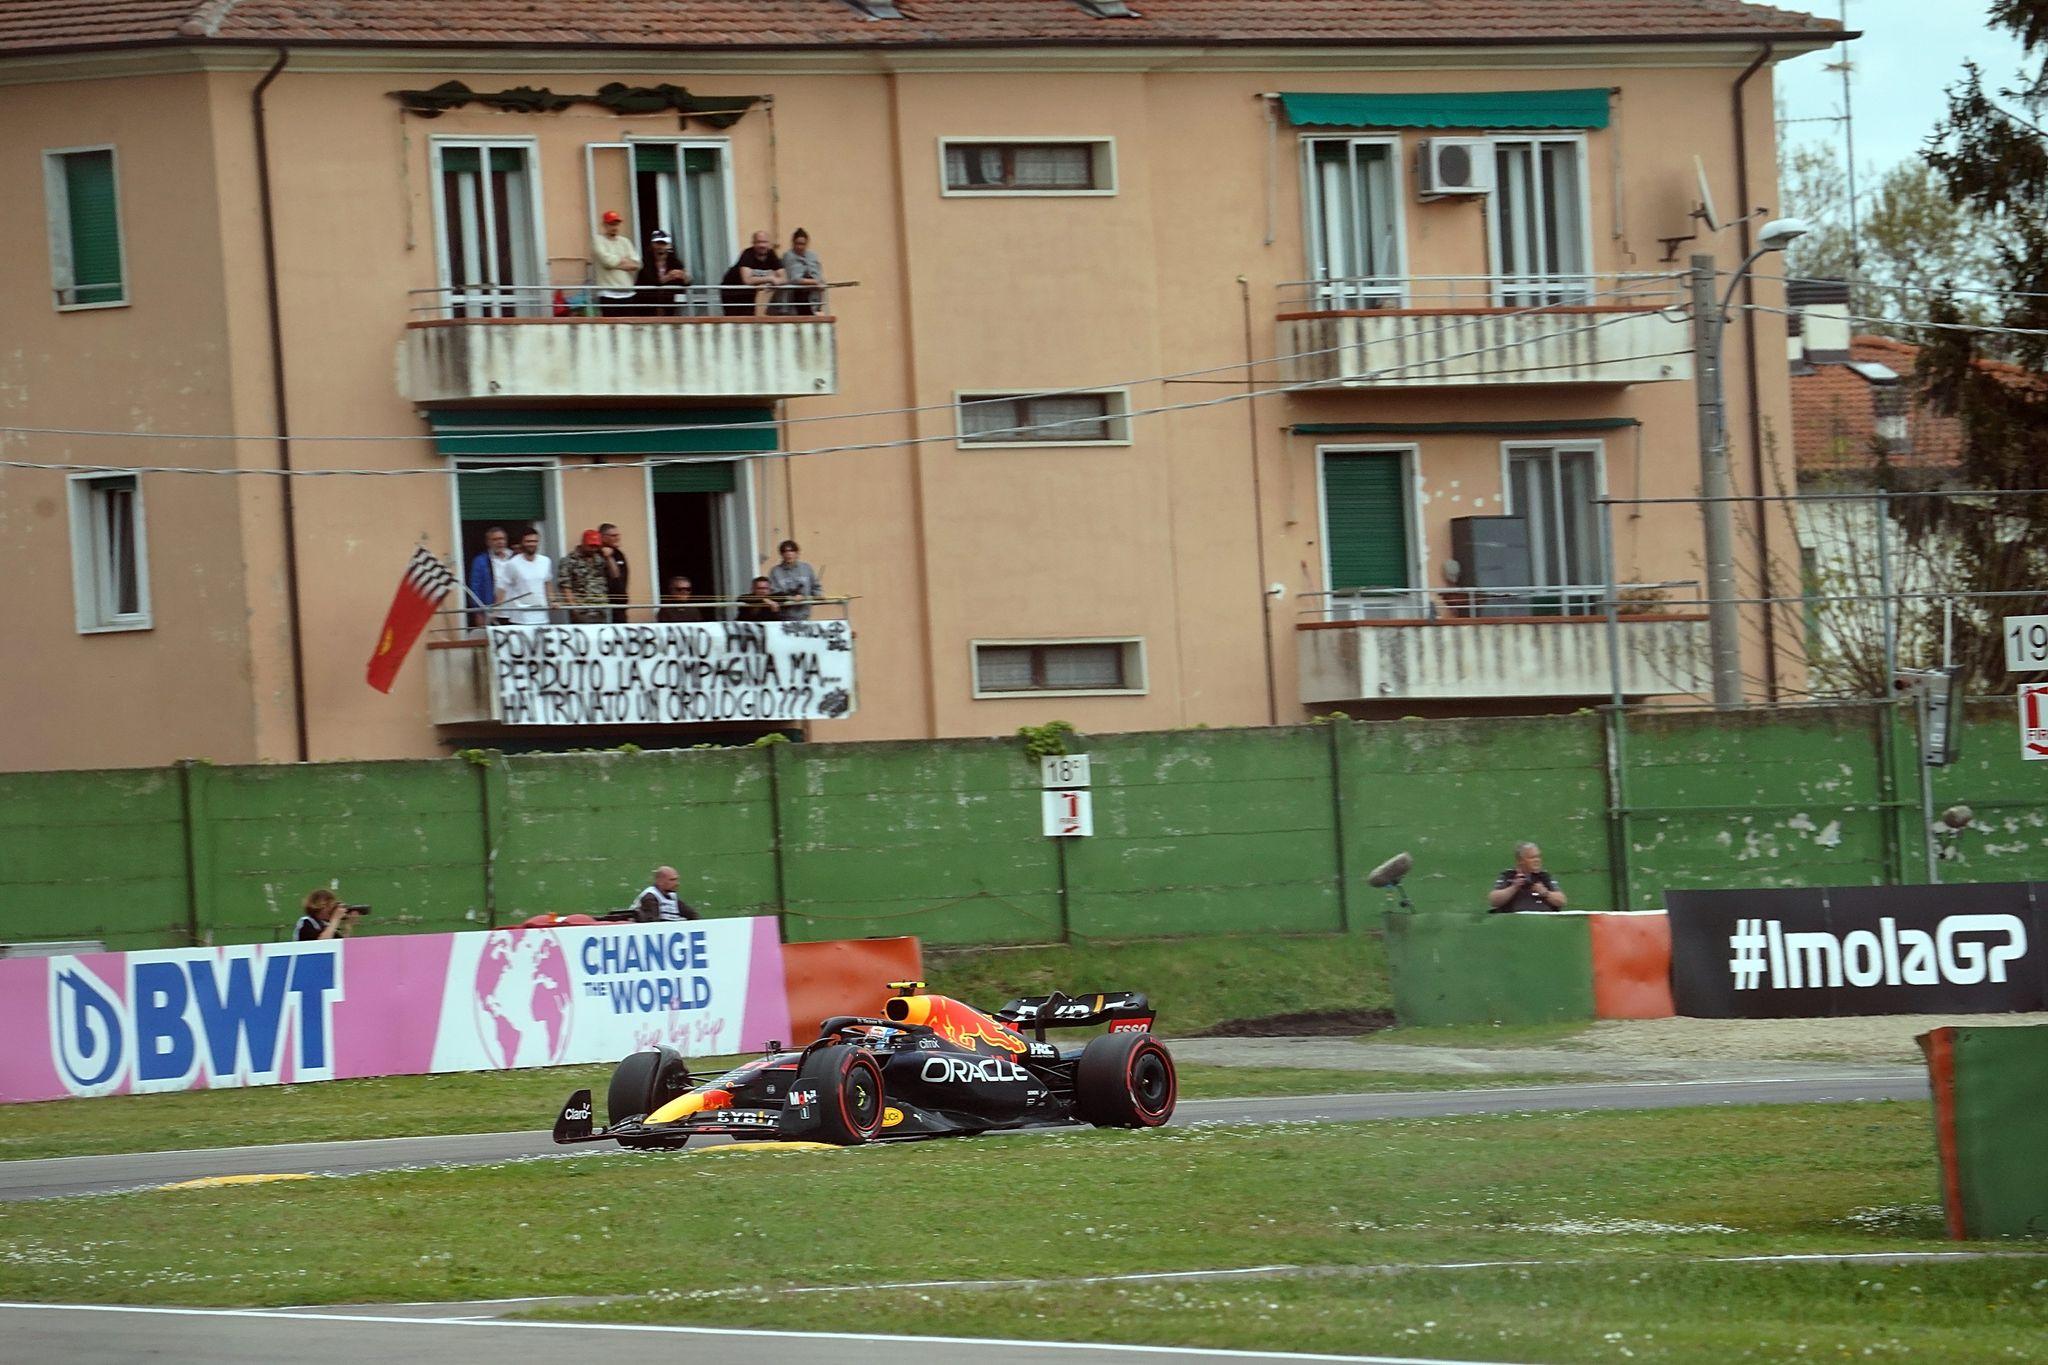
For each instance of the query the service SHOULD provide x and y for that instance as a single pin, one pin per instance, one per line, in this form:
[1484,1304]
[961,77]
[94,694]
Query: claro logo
[1763,955]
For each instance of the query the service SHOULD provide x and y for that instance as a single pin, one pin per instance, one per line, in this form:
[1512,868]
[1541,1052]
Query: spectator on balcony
[616,263]
[483,574]
[751,283]
[618,573]
[662,277]
[805,293]
[760,603]
[582,586]
[794,582]
[680,605]
[526,584]
[1525,886]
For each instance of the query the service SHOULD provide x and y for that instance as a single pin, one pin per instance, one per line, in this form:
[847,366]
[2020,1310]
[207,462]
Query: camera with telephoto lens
[356,909]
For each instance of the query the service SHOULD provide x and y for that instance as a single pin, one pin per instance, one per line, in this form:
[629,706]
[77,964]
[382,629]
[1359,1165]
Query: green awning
[698,476]
[1472,109]
[604,431]
[1535,427]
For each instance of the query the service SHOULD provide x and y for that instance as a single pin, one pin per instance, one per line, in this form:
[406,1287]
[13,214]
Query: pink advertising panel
[269,1013]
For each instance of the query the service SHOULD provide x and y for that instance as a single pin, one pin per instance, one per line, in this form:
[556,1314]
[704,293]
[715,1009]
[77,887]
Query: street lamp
[1717,492]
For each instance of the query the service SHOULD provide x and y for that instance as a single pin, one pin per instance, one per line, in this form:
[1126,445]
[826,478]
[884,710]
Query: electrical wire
[1923,324]
[442,471]
[783,422]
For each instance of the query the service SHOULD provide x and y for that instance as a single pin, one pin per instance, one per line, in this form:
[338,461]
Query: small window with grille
[1010,668]
[1042,419]
[1027,166]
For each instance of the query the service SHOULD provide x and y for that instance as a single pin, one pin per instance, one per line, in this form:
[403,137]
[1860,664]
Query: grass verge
[1627,1218]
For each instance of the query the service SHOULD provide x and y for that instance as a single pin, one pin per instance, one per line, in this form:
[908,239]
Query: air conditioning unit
[1455,165]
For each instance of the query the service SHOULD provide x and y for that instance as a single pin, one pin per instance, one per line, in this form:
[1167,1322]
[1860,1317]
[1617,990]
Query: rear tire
[1125,1080]
[644,1082]
[850,1098]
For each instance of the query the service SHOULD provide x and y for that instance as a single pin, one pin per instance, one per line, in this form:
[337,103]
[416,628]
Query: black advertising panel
[1795,953]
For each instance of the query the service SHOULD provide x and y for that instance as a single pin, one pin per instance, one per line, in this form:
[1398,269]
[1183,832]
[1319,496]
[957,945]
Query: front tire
[644,1082]
[1125,1080]
[850,1098]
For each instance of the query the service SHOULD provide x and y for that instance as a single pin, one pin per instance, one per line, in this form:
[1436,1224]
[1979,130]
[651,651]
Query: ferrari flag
[427,580]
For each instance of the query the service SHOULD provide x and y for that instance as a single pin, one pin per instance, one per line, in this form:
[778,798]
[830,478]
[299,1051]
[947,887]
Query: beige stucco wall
[941,545]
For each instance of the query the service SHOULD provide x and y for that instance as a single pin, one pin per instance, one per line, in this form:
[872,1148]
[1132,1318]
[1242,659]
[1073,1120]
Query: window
[1081,166]
[1354,222]
[684,187]
[109,554]
[85,228]
[1368,534]
[1007,668]
[1554,487]
[490,243]
[1058,419]
[1539,220]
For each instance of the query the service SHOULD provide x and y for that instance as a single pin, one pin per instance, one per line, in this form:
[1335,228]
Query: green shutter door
[95,229]
[518,496]
[700,476]
[1366,521]
[660,157]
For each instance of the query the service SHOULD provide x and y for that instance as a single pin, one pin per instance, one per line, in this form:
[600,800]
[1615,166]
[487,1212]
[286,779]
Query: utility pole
[1717,491]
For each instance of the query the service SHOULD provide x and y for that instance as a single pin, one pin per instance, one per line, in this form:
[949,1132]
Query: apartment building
[1173,350]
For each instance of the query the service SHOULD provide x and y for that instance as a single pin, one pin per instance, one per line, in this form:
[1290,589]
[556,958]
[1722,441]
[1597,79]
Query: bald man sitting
[659,901]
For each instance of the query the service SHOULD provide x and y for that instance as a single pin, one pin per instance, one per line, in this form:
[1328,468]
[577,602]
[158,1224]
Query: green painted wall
[1196,832]
[1490,969]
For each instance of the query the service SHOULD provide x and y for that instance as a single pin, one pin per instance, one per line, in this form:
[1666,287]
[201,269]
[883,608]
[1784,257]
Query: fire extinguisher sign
[2034,720]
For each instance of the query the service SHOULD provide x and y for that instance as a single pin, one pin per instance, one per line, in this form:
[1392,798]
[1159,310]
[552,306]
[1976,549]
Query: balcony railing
[1448,330]
[708,661]
[1468,644]
[546,342]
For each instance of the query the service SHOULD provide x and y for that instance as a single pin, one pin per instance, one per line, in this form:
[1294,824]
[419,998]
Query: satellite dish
[1706,209]
[1390,872]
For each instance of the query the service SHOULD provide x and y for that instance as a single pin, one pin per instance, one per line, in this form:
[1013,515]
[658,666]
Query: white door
[490,245]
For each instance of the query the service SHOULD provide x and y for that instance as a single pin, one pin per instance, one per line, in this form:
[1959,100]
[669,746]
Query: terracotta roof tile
[43,25]
[1834,414]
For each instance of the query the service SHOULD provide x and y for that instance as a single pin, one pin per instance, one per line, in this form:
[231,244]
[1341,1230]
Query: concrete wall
[1195,831]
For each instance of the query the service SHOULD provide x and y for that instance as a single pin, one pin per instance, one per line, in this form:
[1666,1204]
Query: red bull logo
[960,1025]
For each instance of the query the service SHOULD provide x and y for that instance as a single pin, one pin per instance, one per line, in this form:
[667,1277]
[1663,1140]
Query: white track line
[1286,1357]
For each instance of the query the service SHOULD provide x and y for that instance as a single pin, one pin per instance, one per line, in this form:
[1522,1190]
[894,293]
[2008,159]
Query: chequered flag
[420,591]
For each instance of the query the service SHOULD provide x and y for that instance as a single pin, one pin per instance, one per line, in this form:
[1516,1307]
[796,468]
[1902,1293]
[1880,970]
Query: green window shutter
[507,159]
[702,476]
[455,160]
[95,229]
[519,496]
[1365,506]
[661,157]
[700,161]
[1588,108]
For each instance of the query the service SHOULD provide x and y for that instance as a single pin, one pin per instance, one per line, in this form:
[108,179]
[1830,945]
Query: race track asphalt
[58,1176]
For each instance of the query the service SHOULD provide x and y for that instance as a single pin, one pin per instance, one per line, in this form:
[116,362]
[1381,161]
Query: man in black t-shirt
[1525,886]
[752,281]
[325,917]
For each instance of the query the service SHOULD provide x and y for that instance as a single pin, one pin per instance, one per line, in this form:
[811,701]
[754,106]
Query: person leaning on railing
[615,261]
[805,293]
[661,277]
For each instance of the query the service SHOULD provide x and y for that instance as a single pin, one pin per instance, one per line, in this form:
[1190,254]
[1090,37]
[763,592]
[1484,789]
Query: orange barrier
[843,976]
[1631,966]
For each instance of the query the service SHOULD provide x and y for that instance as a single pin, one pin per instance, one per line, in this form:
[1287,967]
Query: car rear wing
[1123,1011]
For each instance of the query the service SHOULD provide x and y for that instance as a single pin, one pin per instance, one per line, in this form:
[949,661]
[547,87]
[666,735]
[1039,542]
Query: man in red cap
[582,585]
[616,263]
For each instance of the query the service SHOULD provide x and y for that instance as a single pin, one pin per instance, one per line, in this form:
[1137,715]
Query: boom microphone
[1390,872]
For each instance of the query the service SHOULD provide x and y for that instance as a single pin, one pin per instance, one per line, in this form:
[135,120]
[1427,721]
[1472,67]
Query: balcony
[1470,646]
[645,673]
[515,346]
[1452,331]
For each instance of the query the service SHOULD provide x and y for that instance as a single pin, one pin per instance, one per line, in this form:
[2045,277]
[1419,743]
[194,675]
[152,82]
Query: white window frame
[1311,196]
[1117,418]
[1134,665]
[1105,167]
[1350,608]
[1509,449]
[57,215]
[1502,297]
[541,302]
[89,587]
[738,526]
[722,145]
[551,465]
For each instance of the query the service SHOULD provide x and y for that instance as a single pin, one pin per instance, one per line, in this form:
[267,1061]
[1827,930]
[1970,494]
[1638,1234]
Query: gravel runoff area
[1645,1049]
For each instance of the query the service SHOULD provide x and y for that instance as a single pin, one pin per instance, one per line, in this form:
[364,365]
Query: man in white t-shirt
[526,584]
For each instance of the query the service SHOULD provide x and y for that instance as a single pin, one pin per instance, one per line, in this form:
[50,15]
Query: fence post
[494,800]
[192,813]
[1059,856]
[1339,729]
[1621,880]
[1888,794]
[775,840]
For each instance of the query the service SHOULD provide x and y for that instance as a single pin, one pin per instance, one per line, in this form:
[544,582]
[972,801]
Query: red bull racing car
[930,1066]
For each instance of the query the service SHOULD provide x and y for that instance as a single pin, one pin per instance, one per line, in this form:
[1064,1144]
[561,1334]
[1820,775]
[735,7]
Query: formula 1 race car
[931,1066]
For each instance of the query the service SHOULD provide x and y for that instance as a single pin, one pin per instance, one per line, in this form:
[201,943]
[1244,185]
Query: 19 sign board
[2026,644]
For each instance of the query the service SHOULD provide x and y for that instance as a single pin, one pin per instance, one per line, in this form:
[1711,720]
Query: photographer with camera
[327,917]
[1525,886]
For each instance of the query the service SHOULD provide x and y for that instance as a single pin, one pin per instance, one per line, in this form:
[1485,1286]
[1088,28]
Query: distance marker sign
[2026,643]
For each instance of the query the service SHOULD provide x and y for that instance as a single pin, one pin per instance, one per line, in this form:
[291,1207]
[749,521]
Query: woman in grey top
[805,292]
[794,581]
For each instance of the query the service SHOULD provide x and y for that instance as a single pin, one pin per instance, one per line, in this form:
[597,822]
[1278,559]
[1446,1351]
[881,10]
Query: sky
[1910,52]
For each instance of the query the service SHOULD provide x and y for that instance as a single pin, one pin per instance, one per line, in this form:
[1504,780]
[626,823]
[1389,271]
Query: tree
[1913,237]
[1991,153]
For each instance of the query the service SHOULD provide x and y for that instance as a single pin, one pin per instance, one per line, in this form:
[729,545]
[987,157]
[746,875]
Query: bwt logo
[1889,956]
[191,1010]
